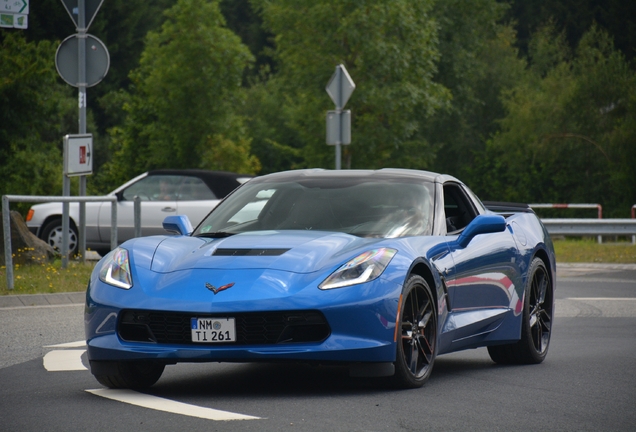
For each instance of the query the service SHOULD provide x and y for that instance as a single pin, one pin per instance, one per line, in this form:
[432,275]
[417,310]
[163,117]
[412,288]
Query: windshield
[357,206]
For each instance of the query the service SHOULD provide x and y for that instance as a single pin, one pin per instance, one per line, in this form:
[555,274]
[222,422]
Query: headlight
[116,269]
[363,268]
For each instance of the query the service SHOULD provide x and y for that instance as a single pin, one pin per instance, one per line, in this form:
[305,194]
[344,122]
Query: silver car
[163,193]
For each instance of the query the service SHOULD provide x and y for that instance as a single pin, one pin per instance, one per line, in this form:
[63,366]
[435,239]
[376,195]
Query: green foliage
[36,111]
[441,85]
[574,18]
[390,51]
[570,128]
[185,96]
[477,62]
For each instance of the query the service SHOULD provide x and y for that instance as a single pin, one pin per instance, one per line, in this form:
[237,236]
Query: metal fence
[588,227]
[570,227]
[592,227]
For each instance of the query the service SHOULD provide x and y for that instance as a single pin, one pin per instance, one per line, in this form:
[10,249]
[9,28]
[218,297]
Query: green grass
[46,277]
[51,278]
[589,251]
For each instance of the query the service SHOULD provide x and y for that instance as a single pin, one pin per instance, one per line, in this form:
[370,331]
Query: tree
[182,107]
[390,51]
[570,127]
[36,112]
[575,17]
[478,61]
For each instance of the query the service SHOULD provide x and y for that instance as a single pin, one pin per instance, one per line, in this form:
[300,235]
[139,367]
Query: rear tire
[417,343]
[536,327]
[52,234]
[130,374]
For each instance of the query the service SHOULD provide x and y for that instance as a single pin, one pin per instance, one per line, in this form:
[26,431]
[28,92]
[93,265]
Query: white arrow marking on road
[68,345]
[167,405]
[67,360]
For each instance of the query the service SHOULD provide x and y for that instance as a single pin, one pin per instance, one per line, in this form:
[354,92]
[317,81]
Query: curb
[31,300]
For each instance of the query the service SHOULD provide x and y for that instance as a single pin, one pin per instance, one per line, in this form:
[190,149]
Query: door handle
[168,209]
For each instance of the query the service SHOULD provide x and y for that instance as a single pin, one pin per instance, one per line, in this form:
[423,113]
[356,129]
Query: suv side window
[458,209]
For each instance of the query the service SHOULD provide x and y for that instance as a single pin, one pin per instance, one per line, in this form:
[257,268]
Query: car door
[158,194]
[485,273]
[195,199]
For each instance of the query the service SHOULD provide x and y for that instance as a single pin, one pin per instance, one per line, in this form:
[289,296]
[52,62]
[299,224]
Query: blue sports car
[381,271]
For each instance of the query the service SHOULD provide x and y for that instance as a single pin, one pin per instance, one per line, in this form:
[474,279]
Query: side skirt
[474,328]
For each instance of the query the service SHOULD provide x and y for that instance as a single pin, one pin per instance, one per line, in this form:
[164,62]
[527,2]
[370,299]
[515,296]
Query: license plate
[213,330]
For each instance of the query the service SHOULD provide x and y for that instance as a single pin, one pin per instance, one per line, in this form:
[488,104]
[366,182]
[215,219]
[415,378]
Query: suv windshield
[357,206]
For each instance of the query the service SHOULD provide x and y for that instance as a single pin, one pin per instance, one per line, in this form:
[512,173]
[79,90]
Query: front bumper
[361,327]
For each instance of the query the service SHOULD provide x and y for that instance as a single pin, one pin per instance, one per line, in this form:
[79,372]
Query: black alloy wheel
[538,312]
[417,343]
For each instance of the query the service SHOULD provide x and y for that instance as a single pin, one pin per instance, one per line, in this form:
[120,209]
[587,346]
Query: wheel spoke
[545,321]
[425,348]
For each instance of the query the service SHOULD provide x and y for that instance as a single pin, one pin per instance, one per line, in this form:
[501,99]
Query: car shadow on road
[293,379]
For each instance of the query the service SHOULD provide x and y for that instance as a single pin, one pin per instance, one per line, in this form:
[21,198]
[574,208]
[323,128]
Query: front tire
[52,234]
[417,343]
[536,327]
[128,374]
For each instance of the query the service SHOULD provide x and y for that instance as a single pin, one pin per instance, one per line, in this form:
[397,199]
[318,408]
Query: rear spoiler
[507,207]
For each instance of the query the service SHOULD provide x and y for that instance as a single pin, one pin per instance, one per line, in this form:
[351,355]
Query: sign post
[339,88]
[91,66]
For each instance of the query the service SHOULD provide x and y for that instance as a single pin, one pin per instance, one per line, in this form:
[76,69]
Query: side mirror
[482,224]
[178,225]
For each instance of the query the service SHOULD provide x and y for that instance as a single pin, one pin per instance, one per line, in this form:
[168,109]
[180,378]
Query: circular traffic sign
[67,59]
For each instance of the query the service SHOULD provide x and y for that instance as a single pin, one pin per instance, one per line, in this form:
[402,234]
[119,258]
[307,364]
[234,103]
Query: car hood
[291,251]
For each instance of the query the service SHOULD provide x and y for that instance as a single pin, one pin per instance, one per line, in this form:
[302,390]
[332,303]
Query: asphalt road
[587,382]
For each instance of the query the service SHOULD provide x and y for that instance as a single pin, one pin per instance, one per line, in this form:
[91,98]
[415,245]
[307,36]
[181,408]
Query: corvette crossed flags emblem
[216,290]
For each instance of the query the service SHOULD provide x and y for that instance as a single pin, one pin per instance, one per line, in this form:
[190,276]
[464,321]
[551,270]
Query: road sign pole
[82,13]
[81,74]
[339,88]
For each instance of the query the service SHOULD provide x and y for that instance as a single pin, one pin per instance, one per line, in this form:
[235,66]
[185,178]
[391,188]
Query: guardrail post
[6,226]
[137,213]
[634,217]
[113,225]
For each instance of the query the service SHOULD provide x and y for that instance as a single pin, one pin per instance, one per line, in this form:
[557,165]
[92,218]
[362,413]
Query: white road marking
[77,344]
[601,298]
[167,405]
[67,360]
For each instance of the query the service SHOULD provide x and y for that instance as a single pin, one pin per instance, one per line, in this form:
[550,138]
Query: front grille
[254,328]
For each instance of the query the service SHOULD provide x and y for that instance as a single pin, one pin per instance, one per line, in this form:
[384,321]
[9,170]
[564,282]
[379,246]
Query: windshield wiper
[216,234]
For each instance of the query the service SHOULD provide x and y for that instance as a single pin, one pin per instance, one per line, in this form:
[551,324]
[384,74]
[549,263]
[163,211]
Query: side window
[154,188]
[194,189]
[458,209]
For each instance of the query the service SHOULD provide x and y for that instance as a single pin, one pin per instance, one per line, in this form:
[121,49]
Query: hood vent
[249,252]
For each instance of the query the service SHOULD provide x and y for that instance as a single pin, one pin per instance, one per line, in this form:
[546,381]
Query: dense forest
[524,100]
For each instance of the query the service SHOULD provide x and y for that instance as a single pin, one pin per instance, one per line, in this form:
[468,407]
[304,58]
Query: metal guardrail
[591,227]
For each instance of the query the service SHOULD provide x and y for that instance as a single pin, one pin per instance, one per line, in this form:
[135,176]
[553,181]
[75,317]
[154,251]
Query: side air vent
[249,252]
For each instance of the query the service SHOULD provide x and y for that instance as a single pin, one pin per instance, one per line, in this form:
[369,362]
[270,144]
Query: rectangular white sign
[14,6]
[78,155]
